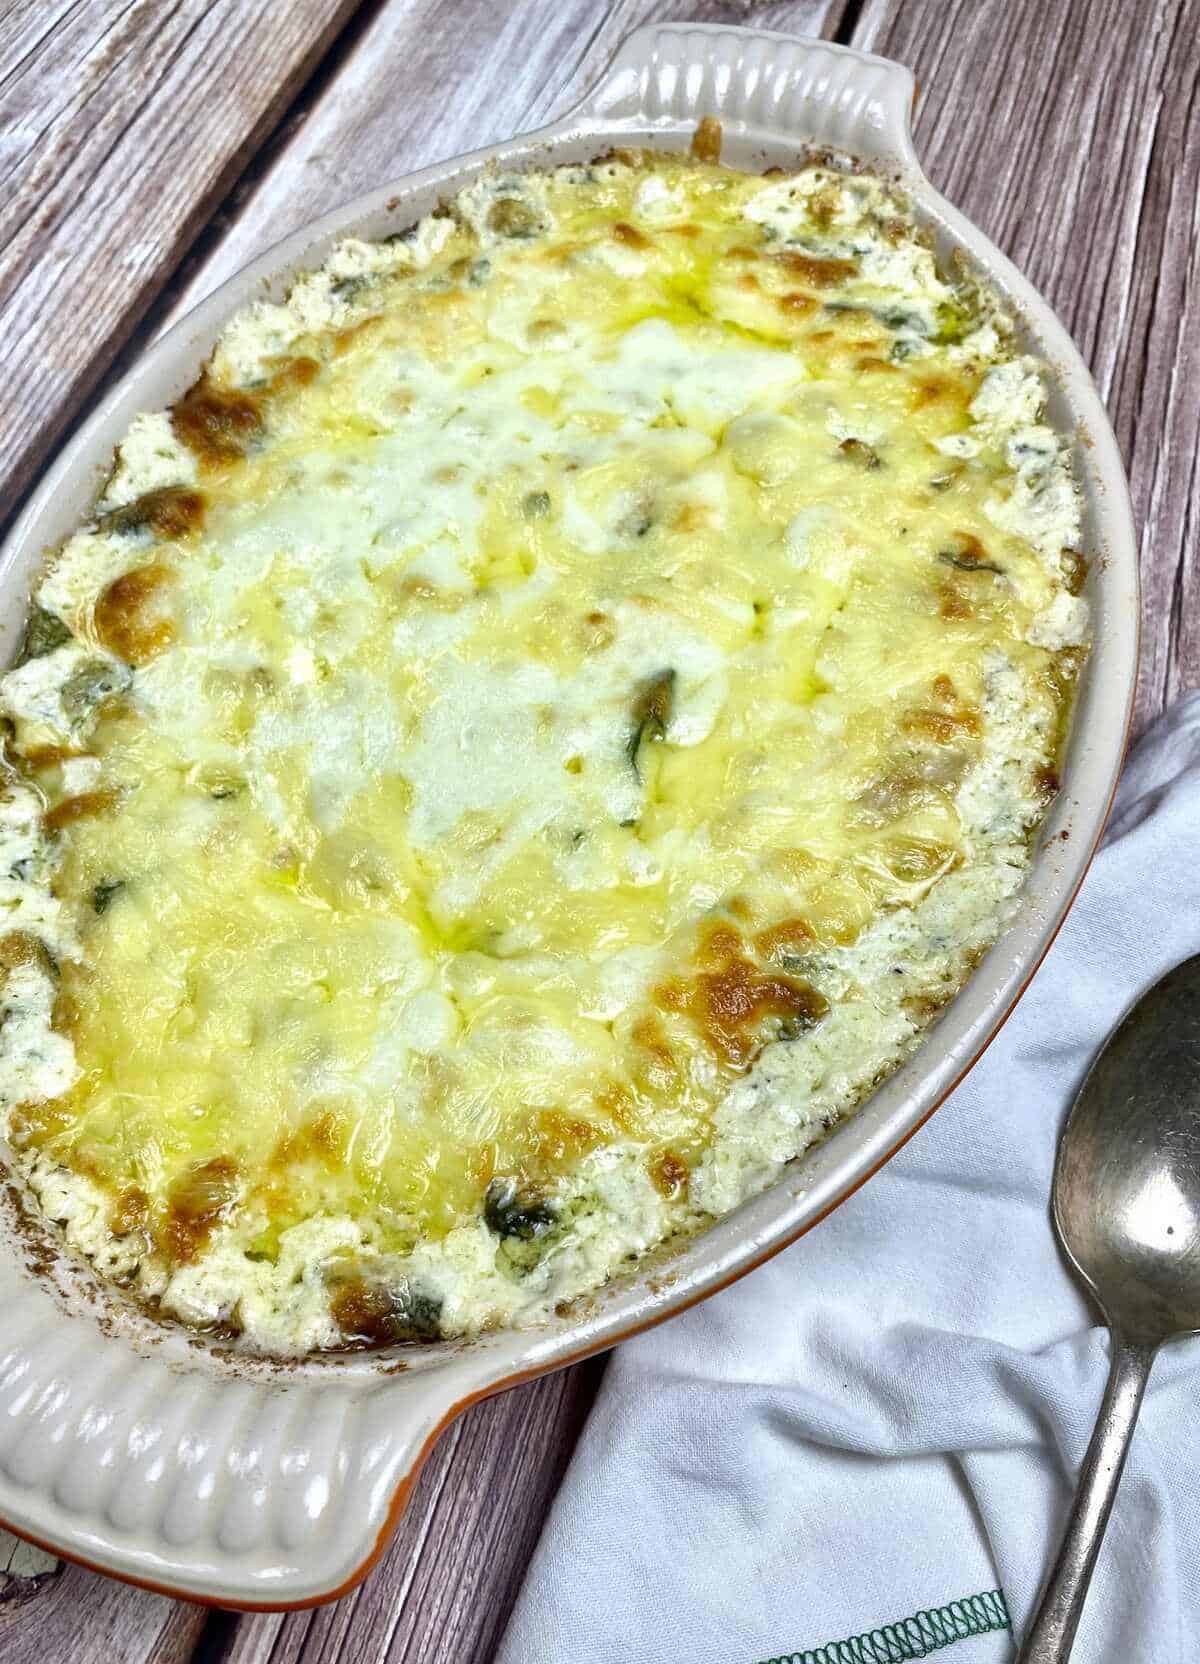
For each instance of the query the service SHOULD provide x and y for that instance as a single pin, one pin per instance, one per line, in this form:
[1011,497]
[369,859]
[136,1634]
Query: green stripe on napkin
[914,1637]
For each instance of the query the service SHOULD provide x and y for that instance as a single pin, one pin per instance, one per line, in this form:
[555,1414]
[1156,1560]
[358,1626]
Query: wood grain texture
[120,125]
[1071,135]
[74,1617]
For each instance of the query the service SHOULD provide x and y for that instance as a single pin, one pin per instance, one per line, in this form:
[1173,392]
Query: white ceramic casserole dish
[162,1457]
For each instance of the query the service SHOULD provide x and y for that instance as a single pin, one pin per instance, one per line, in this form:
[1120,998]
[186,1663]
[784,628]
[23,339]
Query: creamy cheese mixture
[524,746]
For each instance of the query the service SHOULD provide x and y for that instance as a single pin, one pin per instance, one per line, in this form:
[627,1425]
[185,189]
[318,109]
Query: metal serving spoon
[1127,1211]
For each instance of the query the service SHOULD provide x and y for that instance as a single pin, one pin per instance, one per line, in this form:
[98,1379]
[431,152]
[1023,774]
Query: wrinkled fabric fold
[888,1417]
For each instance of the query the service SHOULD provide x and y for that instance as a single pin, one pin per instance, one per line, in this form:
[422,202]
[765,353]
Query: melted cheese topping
[524,746]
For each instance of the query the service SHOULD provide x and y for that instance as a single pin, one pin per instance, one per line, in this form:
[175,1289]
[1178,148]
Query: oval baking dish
[161,1456]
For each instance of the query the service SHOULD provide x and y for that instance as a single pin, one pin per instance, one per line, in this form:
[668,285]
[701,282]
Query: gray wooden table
[150,147]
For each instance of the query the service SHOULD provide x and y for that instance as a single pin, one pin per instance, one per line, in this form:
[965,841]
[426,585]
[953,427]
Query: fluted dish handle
[668,75]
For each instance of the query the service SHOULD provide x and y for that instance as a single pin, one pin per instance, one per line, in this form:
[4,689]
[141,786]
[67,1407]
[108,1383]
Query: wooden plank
[122,123]
[72,1614]
[1071,134]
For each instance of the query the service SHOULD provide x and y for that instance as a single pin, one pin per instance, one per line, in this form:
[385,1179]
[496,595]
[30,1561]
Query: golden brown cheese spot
[65,1015]
[343,340]
[125,617]
[824,205]
[196,1203]
[615,1103]
[797,304]
[34,1124]
[957,390]
[737,1008]
[719,944]
[546,331]
[669,1174]
[954,603]
[812,269]
[374,1313]
[172,512]
[84,806]
[20,947]
[706,140]
[942,726]
[560,1138]
[130,1212]
[599,632]
[656,1068]
[789,939]
[216,423]
[365,1313]
[295,374]
[39,757]
[630,235]
[946,719]
[321,1140]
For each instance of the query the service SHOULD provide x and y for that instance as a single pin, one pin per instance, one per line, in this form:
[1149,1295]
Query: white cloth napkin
[888,1418]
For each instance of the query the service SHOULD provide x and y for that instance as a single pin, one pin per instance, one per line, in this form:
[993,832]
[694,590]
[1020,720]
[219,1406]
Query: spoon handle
[1052,1633]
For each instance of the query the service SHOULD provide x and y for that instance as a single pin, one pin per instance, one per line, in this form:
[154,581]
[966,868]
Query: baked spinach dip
[524,746]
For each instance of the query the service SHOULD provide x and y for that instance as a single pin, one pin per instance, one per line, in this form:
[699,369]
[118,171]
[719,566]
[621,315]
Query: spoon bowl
[1127,1182]
[1127,1212]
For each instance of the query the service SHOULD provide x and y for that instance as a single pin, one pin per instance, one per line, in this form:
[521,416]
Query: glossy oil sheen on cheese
[535,737]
